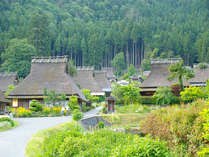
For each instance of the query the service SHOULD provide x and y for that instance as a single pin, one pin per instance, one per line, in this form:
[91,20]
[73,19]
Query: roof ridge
[49,59]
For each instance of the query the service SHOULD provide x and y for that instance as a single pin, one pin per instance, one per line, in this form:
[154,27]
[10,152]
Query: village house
[101,79]
[85,80]
[3,103]
[46,73]
[158,77]
[201,76]
[7,79]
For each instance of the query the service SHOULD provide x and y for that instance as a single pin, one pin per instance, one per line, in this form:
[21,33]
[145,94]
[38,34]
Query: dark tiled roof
[49,73]
[159,76]
[3,98]
[101,78]
[85,80]
[201,75]
[7,79]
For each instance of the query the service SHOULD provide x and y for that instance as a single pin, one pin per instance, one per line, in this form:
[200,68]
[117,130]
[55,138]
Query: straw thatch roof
[7,79]
[201,75]
[159,75]
[85,79]
[101,79]
[49,73]
[3,98]
[110,73]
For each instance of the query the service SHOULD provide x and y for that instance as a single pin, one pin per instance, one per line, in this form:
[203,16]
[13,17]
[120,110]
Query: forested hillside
[92,32]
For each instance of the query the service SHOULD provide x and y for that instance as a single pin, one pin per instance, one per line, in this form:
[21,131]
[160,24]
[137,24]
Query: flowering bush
[180,126]
[205,114]
[22,112]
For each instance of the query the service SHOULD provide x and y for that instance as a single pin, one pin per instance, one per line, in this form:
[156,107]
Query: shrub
[36,106]
[176,89]
[147,100]
[101,125]
[77,115]
[101,143]
[205,115]
[22,112]
[192,93]
[164,96]
[178,125]
[8,120]
[73,103]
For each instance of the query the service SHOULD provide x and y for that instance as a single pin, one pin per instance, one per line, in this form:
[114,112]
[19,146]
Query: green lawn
[4,126]
[128,116]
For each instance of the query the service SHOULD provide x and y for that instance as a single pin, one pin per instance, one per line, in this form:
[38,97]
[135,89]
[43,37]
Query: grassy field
[128,116]
[33,146]
[4,126]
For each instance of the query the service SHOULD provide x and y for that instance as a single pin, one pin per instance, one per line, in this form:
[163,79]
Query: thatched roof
[3,98]
[201,75]
[159,76]
[85,79]
[7,79]
[101,78]
[49,73]
[110,73]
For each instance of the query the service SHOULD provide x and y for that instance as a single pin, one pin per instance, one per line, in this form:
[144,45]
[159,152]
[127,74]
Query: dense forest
[92,32]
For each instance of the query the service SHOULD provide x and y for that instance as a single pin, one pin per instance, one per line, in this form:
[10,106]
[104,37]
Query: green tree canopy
[119,64]
[179,71]
[17,57]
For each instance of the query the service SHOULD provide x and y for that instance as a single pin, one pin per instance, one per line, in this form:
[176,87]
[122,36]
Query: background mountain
[92,32]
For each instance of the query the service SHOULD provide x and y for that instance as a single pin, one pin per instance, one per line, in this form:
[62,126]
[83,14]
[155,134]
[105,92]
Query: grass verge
[35,143]
[8,126]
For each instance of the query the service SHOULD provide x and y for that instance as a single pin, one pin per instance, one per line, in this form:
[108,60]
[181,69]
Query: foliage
[22,112]
[129,94]
[180,126]
[119,64]
[10,88]
[101,125]
[73,103]
[77,115]
[17,57]
[53,98]
[104,143]
[147,100]
[87,94]
[3,119]
[176,89]
[131,72]
[35,106]
[178,70]
[192,93]
[164,96]
[205,114]
[71,68]
[146,65]
[203,66]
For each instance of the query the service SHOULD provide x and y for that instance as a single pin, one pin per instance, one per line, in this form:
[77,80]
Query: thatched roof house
[85,80]
[49,73]
[3,103]
[110,73]
[158,77]
[101,79]
[7,79]
[201,76]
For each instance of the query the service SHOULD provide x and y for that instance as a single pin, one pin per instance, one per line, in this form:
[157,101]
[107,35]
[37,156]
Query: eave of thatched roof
[7,79]
[3,98]
[85,80]
[49,73]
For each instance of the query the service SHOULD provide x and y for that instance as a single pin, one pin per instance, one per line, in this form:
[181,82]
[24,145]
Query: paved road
[13,142]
